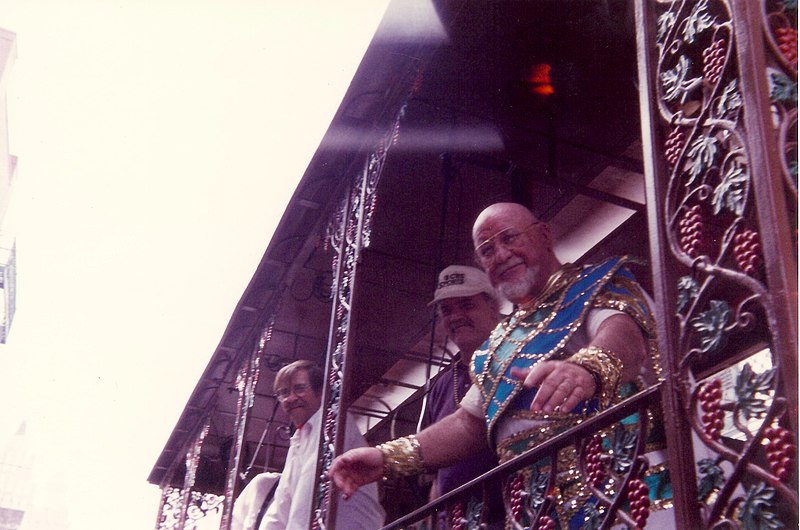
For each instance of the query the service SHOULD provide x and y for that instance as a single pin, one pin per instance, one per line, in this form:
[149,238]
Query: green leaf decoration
[697,21]
[687,289]
[731,193]
[623,443]
[790,5]
[711,478]
[711,324]
[665,23]
[537,486]
[473,514]
[782,89]
[749,385]
[730,100]
[703,153]
[592,516]
[755,513]
[674,80]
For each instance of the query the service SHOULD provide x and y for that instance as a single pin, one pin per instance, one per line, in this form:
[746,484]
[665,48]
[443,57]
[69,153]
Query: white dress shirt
[248,503]
[292,505]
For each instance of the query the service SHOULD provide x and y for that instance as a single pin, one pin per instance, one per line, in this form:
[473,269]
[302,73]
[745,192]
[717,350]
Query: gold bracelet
[401,457]
[605,368]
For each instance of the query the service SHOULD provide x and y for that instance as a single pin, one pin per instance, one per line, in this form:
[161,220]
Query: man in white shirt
[252,502]
[299,387]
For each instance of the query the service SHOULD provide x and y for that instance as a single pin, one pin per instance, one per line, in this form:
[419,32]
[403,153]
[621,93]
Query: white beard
[519,290]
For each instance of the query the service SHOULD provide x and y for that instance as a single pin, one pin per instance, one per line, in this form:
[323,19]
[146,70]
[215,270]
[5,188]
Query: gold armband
[401,457]
[605,368]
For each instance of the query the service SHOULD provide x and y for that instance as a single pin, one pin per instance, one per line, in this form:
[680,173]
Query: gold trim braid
[401,457]
[605,367]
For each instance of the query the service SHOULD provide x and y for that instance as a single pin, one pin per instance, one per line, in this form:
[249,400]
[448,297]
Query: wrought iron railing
[616,490]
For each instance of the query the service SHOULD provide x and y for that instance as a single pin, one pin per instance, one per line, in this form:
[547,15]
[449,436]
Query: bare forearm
[452,439]
[621,335]
[443,443]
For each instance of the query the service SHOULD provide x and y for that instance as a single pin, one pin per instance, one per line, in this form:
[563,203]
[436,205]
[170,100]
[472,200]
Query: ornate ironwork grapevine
[246,382]
[347,234]
[181,508]
[709,167]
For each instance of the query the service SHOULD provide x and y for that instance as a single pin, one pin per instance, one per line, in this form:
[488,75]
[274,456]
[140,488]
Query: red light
[539,80]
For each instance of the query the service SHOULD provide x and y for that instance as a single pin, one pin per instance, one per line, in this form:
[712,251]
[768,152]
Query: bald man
[576,334]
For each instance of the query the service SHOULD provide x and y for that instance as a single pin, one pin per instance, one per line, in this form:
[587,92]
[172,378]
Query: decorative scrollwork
[347,233]
[747,412]
[182,507]
[466,515]
[779,19]
[199,505]
[756,508]
[170,508]
[710,214]
[711,325]
[202,505]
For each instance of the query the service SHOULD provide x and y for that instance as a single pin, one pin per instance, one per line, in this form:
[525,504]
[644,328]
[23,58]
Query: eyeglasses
[298,390]
[508,238]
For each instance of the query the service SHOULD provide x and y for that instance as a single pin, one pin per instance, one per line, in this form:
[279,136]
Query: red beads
[515,495]
[457,516]
[674,145]
[639,500]
[330,421]
[713,417]
[781,451]
[691,231]
[787,42]
[747,251]
[714,61]
[594,462]
[545,522]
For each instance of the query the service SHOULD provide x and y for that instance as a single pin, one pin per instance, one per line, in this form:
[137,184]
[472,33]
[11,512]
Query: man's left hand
[562,385]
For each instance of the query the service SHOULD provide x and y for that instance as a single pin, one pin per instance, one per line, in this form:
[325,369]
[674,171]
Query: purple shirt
[442,401]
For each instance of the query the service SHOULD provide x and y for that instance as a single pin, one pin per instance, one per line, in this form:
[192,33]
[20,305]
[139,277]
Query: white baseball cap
[457,281]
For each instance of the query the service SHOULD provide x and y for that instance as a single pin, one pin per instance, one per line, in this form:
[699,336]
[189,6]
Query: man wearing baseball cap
[469,310]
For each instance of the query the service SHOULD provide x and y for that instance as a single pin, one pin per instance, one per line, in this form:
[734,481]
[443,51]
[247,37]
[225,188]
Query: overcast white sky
[158,144]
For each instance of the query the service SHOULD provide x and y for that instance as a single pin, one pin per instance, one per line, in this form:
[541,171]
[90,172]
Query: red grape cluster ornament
[781,451]
[714,61]
[639,500]
[787,42]
[747,251]
[673,146]
[691,231]
[516,496]
[713,417]
[594,462]
[457,516]
[545,522]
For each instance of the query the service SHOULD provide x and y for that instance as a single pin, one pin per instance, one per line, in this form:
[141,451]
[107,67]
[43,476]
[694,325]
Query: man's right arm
[452,439]
[444,443]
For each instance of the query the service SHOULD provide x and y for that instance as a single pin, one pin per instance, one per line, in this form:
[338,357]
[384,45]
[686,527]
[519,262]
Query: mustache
[462,322]
[509,265]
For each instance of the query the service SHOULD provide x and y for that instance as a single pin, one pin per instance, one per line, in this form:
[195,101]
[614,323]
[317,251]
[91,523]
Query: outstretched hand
[356,468]
[562,385]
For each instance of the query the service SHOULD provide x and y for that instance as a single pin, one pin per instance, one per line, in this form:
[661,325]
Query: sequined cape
[539,330]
